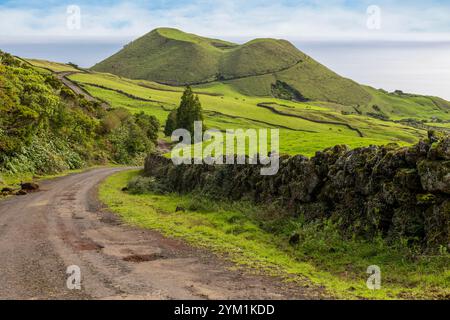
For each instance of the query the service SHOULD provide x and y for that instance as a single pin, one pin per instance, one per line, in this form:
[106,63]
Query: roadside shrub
[68,94]
[46,128]
[129,142]
[141,185]
[43,155]
[149,125]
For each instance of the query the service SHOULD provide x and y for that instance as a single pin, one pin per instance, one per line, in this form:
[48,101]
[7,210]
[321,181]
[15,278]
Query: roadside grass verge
[242,234]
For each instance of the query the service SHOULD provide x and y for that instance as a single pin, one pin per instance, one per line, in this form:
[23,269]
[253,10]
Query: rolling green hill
[261,67]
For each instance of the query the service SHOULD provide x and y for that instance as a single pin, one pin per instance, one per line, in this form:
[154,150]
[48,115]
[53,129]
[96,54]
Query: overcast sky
[411,38]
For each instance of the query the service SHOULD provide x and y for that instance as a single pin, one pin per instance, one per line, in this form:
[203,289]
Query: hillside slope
[261,67]
[45,127]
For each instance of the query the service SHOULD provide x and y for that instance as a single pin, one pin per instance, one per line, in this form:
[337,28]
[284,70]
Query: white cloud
[228,19]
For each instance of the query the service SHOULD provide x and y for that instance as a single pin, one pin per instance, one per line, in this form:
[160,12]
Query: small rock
[29,186]
[21,193]
[435,176]
[440,150]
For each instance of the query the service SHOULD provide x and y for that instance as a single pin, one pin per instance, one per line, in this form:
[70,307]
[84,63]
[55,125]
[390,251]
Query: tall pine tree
[190,110]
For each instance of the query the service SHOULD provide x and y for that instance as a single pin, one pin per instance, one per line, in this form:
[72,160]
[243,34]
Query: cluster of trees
[130,137]
[27,103]
[44,126]
[189,111]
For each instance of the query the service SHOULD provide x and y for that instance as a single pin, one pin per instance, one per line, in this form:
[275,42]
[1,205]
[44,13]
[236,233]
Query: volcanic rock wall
[398,191]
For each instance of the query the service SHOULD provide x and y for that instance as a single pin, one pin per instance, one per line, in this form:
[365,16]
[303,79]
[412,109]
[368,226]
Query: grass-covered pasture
[53,66]
[225,108]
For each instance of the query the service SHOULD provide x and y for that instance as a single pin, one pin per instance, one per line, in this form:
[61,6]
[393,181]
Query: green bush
[141,185]
[43,155]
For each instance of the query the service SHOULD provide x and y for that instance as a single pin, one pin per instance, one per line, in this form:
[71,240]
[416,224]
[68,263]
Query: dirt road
[43,233]
[63,77]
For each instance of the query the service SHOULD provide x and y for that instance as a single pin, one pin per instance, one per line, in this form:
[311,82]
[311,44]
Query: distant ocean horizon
[414,67]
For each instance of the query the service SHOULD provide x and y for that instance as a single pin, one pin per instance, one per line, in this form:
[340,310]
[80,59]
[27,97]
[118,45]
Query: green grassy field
[440,125]
[398,107]
[226,108]
[53,66]
[233,231]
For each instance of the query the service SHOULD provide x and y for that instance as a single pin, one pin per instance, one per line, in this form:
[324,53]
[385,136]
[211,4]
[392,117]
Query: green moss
[426,198]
